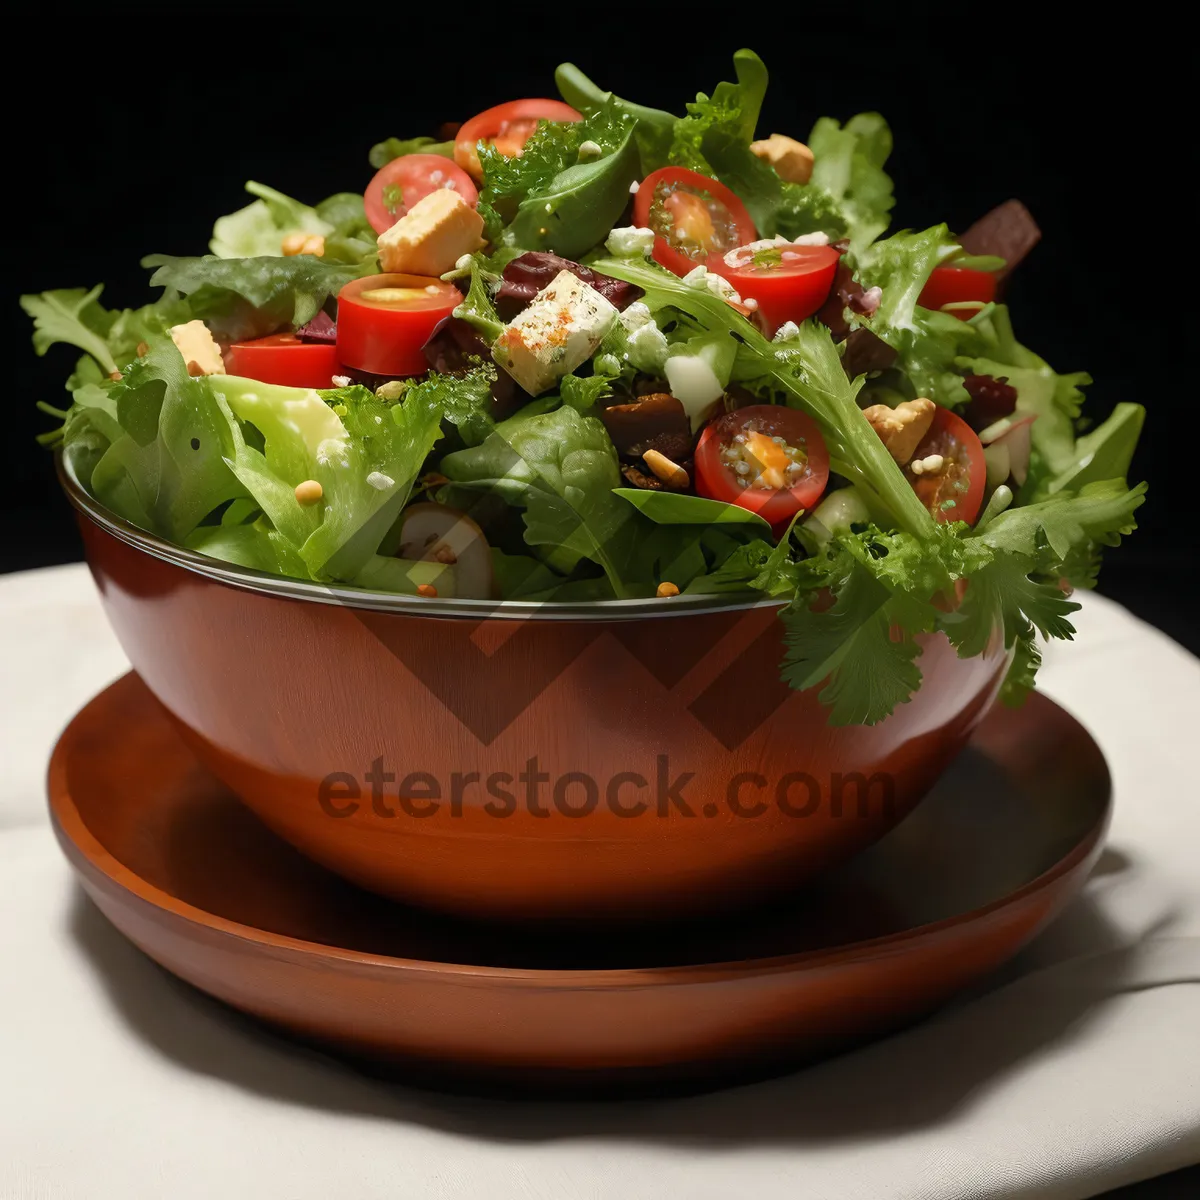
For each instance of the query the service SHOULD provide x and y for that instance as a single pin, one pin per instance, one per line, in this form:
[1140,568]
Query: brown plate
[193,878]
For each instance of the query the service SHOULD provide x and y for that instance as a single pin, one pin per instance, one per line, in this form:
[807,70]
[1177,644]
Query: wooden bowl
[1005,837]
[631,759]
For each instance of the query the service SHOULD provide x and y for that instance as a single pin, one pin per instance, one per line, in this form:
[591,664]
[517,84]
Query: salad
[582,349]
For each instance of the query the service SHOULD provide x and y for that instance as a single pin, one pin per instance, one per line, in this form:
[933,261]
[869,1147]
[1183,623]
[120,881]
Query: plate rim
[89,858]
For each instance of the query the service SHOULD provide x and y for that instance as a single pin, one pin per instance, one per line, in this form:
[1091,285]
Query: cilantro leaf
[850,644]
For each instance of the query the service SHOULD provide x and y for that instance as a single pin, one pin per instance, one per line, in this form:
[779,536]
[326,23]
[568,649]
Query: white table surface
[1079,1072]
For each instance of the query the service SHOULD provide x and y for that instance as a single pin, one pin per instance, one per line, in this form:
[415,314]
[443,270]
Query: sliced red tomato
[284,359]
[958,285]
[767,458]
[385,320]
[407,179]
[785,281]
[508,127]
[695,219]
[953,489]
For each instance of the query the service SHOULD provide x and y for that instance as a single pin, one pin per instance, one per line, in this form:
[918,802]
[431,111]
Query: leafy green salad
[585,350]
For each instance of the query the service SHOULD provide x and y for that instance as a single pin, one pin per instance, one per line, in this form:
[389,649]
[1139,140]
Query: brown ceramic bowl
[629,759]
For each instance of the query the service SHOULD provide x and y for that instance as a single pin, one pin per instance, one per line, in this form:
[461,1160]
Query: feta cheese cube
[432,236]
[198,347]
[559,331]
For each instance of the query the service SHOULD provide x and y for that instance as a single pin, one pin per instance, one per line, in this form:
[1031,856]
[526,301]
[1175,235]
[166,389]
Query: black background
[162,113]
[179,113]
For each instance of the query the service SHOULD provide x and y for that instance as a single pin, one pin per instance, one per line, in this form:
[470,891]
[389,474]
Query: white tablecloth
[1080,1072]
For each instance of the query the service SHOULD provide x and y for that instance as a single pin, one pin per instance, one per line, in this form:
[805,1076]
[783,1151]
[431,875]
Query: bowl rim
[348,596]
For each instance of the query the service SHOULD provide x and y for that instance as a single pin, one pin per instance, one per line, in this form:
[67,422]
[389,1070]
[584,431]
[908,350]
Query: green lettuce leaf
[242,298]
[364,453]
[383,152]
[261,226]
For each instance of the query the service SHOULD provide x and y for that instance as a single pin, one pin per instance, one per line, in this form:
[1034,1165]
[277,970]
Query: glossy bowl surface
[630,759]
[193,878]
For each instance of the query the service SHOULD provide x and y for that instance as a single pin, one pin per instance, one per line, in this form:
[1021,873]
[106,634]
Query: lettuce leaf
[242,298]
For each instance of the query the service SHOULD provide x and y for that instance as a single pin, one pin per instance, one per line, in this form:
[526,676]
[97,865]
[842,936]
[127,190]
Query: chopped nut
[902,428]
[309,492]
[115,376]
[444,554]
[666,589]
[792,160]
[303,243]
[671,473]
[426,589]
[143,348]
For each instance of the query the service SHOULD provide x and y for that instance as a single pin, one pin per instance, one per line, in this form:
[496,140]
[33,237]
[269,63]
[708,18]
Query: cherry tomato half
[953,492]
[385,320]
[284,359]
[788,282]
[953,285]
[508,127]
[407,179]
[696,219]
[767,458]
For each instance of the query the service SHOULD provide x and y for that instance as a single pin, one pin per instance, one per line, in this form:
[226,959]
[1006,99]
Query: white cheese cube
[432,236]
[559,331]
[198,347]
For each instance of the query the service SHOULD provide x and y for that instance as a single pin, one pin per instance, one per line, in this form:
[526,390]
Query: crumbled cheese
[329,449]
[648,348]
[340,381]
[633,188]
[380,482]
[590,149]
[630,241]
[786,331]
[635,316]
[720,286]
[697,277]
[811,239]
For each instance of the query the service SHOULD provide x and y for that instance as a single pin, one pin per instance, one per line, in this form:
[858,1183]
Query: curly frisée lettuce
[634,473]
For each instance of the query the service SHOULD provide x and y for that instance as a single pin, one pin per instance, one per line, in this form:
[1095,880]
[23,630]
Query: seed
[671,473]
[666,589]
[742,468]
[142,349]
[115,376]
[444,554]
[426,589]
[309,492]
